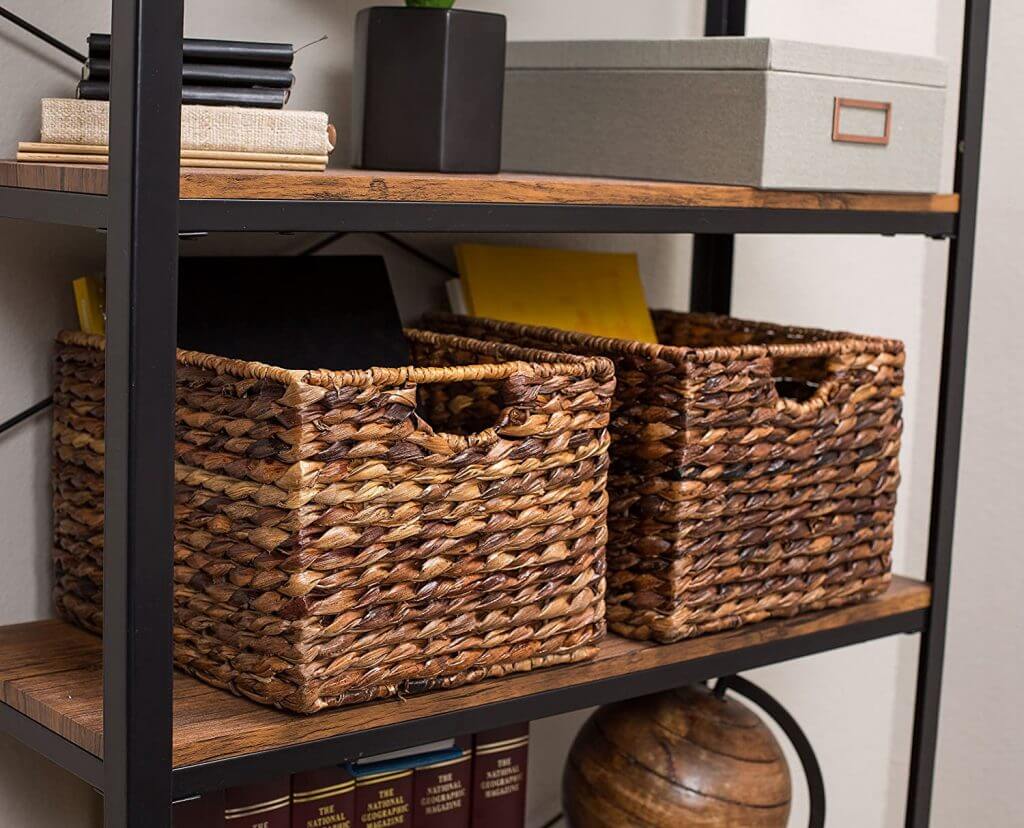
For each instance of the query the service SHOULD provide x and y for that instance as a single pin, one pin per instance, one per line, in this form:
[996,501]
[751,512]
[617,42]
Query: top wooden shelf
[505,188]
[51,673]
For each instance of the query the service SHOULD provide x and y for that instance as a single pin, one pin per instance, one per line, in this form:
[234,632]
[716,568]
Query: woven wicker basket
[331,547]
[754,468]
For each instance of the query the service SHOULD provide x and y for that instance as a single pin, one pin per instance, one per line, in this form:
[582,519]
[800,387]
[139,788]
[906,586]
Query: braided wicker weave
[331,547]
[754,468]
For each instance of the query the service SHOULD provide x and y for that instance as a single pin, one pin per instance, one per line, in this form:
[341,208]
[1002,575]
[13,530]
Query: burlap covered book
[233,129]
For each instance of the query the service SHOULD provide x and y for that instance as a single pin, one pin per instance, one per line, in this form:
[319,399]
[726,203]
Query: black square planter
[428,88]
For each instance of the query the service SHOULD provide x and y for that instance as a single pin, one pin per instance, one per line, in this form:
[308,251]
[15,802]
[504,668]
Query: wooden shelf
[51,673]
[506,188]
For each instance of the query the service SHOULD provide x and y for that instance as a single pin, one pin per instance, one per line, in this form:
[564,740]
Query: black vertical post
[711,276]
[142,263]
[951,400]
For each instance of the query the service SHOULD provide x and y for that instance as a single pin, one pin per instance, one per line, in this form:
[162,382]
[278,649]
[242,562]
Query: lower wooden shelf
[51,673]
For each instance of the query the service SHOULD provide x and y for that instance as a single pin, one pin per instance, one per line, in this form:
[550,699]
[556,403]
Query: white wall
[981,733]
[35,262]
[855,704]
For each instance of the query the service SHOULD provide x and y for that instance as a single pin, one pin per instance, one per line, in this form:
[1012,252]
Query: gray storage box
[731,110]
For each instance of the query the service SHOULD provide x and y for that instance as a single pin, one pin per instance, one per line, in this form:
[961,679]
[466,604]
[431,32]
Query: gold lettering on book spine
[388,810]
[328,817]
[505,779]
[447,795]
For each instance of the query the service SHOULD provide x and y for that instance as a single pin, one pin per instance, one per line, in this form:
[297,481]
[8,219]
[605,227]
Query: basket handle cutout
[473,413]
[804,383]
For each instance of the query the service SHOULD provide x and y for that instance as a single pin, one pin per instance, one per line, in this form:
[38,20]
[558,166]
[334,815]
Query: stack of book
[76,131]
[214,72]
[477,782]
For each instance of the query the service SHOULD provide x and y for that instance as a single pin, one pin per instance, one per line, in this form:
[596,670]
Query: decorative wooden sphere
[676,759]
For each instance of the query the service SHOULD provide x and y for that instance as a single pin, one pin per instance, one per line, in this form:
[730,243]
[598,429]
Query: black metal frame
[53,746]
[714,250]
[142,297]
[950,412]
[144,217]
[797,738]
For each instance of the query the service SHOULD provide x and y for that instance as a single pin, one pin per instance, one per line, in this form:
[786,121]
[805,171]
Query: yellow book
[596,293]
[89,302]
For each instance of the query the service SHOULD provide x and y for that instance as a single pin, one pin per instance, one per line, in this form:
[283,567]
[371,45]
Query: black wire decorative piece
[390,237]
[42,405]
[793,731]
[419,254]
[553,821]
[46,37]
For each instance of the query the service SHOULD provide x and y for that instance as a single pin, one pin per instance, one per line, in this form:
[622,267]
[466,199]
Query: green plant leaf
[430,4]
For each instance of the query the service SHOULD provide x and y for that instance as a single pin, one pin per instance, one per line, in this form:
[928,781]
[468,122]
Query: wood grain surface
[51,672]
[368,185]
[678,758]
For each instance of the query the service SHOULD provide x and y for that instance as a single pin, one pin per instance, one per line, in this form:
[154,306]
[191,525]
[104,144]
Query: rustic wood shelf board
[505,188]
[51,672]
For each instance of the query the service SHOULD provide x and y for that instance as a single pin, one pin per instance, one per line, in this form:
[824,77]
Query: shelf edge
[215,774]
[266,215]
[53,207]
[52,746]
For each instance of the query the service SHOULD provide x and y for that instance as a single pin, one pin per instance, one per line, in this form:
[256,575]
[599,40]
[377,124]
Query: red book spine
[384,800]
[267,805]
[205,812]
[323,799]
[499,777]
[441,791]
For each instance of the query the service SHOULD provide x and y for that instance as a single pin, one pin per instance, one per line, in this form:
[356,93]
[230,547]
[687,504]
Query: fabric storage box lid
[730,53]
[757,112]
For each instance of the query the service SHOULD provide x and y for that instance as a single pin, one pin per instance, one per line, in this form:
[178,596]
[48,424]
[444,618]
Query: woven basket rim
[531,362]
[825,342]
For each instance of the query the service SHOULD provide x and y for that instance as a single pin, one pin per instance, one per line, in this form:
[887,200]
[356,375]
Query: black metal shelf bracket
[51,745]
[267,215]
[71,209]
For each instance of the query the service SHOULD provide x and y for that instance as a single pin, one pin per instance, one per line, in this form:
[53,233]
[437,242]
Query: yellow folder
[89,304]
[596,293]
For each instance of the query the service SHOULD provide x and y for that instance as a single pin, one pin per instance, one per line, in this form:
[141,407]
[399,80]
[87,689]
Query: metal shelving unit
[125,743]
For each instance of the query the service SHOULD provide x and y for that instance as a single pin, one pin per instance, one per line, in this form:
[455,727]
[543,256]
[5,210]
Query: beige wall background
[855,704]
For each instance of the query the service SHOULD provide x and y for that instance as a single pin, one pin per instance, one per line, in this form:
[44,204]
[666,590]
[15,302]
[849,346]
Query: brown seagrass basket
[332,547]
[754,468]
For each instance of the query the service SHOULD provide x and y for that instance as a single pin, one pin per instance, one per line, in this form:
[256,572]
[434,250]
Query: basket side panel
[333,547]
[729,503]
[792,515]
[77,484]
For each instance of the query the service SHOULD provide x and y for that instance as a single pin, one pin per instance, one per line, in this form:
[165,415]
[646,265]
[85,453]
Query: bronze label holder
[854,103]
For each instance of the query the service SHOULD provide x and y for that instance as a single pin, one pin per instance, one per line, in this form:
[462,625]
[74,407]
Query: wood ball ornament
[676,759]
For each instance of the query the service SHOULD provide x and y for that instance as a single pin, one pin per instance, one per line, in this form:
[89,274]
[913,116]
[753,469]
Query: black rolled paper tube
[95,90]
[201,50]
[209,74]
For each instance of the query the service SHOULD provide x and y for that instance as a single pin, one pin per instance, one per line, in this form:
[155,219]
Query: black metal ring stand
[796,736]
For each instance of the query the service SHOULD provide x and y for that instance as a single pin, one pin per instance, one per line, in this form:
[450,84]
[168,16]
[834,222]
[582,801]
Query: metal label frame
[856,103]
